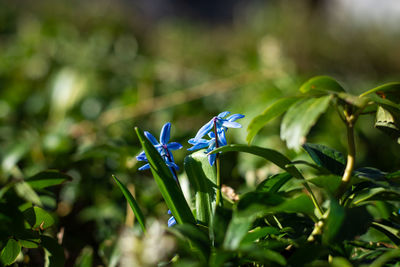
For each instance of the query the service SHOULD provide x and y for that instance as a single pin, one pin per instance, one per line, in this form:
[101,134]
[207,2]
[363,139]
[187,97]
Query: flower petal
[211,158]
[234,117]
[174,146]
[223,114]
[171,221]
[222,138]
[193,141]
[141,157]
[172,165]
[204,130]
[151,138]
[144,167]
[198,146]
[231,124]
[165,133]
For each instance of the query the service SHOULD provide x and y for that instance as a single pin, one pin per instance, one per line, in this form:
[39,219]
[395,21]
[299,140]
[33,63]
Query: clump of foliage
[336,215]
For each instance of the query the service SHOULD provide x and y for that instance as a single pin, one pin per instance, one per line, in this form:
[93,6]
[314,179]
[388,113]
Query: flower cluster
[215,129]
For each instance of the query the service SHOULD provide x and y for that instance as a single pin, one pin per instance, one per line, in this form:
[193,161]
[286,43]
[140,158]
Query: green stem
[351,157]
[313,199]
[219,195]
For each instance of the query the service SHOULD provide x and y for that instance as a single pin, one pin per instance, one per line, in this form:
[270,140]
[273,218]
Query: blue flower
[163,147]
[218,124]
[171,220]
[210,143]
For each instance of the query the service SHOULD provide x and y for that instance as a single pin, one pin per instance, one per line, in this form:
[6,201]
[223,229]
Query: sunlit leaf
[202,177]
[132,203]
[38,218]
[299,119]
[10,251]
[273,111]
[273,183]
[323,84]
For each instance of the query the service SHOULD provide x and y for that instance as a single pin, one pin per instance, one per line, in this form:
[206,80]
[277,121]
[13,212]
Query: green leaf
[386,257]
[387,122]
[377,193]
[392,86]
[47,178]
[276,109]
[269,154]
[258,204]
[334,222]
[132,203]
[203,179]
[85,258]
[264,256]
[323,84]
[38,218]
[326,157]
[329,182]
[169,189]
[258,233]
[54,253]
[29,243]
[392,232]
[10,252]
[299,119]
[25,191]
[273,183]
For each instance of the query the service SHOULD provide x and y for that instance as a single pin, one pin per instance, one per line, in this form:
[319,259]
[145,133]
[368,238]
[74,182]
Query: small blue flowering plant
[339,216]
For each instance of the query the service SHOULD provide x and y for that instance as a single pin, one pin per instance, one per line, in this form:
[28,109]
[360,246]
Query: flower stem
[218,196]
[351,157]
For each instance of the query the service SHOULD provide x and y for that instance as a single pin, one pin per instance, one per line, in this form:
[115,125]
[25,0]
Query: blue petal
[222,138]
[165,133]
[151,138]
[169,212]
[171,221]
[211,158]
[231,124]
[198,146]
[172,165]
[141,157]
[205,129]
[144,167]
[193,141]
[235,117]
[174,146]
[223,114]
[211,135]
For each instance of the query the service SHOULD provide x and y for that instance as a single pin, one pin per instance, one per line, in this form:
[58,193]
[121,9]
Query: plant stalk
[351,157]
[218,196]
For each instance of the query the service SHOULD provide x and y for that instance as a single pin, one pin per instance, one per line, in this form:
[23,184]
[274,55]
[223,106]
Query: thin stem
[313,199]
[351,156]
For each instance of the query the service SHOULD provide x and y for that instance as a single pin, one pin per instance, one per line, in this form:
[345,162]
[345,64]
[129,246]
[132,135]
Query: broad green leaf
[203,179]
[54,253]
[169,189]
[353,100]
[25,191]
[273,183]
[392,232]
[392,86]
[323,84]
[326,157]
[47,178]
[269,154]
[38,218]
[10,251]
[263,256]
[329,182]
[132,203]
[276,109]
[377,193]
[85,258]
[258,204]
[29,243]
[299,119]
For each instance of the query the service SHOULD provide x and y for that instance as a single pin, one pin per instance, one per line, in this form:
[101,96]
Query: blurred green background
[77,76]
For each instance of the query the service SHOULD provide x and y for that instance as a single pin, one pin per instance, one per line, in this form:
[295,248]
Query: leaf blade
[132,203]
[323,84]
